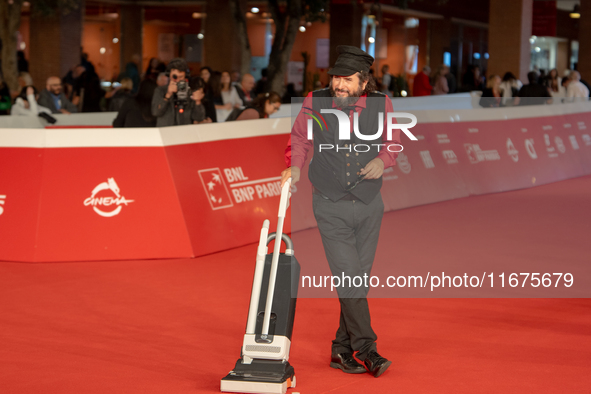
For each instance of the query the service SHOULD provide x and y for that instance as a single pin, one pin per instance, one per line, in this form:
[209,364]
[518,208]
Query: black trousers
[350,232]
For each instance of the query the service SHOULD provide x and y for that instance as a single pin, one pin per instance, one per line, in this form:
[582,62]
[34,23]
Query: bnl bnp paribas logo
[345,129]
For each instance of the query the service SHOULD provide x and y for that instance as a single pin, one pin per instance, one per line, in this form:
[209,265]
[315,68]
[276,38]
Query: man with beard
[346,186]
[54,99]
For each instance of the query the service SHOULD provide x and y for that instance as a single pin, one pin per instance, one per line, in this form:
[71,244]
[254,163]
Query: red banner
[544,19]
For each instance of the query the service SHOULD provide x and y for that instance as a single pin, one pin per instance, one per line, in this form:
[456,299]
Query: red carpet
[176,326]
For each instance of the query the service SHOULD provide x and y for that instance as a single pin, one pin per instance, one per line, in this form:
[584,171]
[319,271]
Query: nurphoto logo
[345,129]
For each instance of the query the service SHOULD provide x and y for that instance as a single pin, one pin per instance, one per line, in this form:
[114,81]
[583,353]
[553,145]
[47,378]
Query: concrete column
[55,43]
[584,66]
[132,32]
[510,23]
[221,47]
[345,27]
[440,33]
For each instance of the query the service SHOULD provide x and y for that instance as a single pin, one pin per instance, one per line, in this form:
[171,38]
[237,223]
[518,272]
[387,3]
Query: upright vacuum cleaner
[263,366]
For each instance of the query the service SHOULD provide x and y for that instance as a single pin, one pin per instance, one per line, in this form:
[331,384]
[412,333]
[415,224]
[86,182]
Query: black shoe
[346,363]
[376,364]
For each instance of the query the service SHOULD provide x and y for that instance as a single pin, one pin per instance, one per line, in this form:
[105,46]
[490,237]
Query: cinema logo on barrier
[476,155]
[103,205]
[2,201]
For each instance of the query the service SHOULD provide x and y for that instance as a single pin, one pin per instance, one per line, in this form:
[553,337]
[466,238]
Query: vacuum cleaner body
[263,366]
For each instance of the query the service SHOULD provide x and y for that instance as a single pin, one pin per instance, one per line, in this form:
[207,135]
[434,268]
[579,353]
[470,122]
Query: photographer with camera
[173,104]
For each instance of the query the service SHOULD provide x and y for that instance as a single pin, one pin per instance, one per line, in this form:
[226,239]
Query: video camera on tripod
[182,95]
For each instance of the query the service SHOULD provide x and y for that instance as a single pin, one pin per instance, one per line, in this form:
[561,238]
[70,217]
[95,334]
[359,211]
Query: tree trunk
[10,19]
[245,54]
[286,27]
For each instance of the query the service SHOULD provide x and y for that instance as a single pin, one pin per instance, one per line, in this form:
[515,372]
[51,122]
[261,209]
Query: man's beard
[342,102]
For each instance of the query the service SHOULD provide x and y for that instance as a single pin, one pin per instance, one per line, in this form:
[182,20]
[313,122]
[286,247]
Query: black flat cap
[351,60]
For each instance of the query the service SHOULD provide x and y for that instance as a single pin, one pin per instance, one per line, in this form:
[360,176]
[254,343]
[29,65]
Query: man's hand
[64,111]
[172,89]
[291,172]
[374,169]
[30,90]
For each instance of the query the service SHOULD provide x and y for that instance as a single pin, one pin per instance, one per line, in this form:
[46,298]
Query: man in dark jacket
[53,98]
[533,93]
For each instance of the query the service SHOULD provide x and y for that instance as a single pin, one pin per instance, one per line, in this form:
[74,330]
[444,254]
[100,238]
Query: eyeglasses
[354,185]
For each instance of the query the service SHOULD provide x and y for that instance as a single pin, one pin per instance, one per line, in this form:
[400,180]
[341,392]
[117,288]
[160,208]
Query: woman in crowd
[199,102]
[225,97]
[263,106]
[554,85]
[137,111]
[26,103]
[206,74]
[440,82]
[492,94]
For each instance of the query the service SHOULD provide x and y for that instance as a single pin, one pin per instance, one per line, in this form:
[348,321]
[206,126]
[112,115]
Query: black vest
[331,172]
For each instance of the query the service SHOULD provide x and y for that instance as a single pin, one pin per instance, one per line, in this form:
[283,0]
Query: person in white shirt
[510,86]
[225,96]
[26,103]
[575,89]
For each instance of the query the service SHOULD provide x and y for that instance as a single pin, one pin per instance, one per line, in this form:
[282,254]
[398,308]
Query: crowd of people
[163,95]
[541,88]
[150,98]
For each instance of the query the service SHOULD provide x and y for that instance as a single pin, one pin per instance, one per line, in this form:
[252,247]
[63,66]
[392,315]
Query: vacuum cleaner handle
[258,279]
[283,204]
[284,201]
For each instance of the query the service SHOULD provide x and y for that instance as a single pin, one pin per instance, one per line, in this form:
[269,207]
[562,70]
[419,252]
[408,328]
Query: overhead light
[486,55]
[254,10]
[200,36]
[532,39]
[302,29]
[23,46]
[403,93]
[537,49]
[115,40]
[103,50]
[476,55]
[371,40]
[198,15]
[576,14]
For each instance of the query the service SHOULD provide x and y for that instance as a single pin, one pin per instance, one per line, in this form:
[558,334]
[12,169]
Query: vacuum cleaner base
[261,376]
